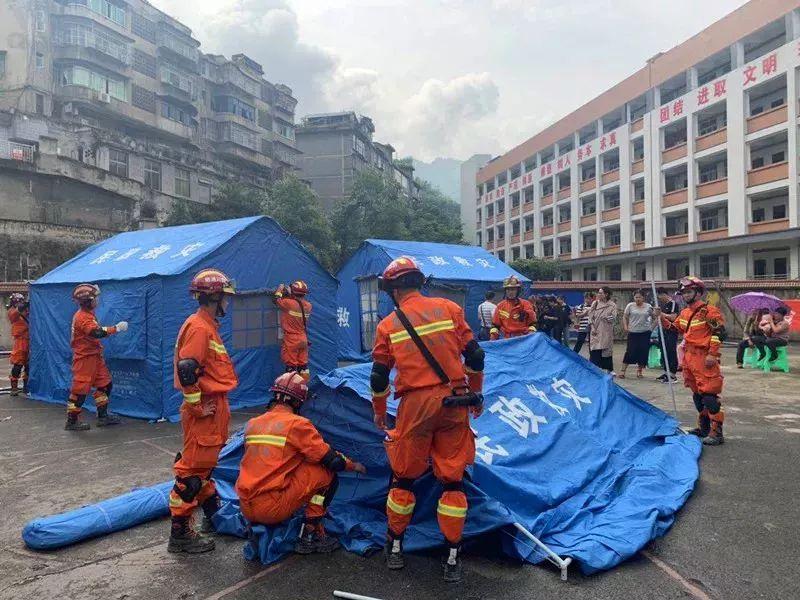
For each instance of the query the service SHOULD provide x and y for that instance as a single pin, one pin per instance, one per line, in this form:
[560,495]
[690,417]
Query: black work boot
[715,437]
[105,418]
[182,538]
[14,391]
[703,424]
[393,553]
[210,507]
[74,425]
[313,539]
[453,569]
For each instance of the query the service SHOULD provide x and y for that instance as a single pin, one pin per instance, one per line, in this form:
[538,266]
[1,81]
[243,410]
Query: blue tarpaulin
[590,469]
[144,278]
[462,273]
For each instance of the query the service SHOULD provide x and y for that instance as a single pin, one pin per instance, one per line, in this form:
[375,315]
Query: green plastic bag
[654,358]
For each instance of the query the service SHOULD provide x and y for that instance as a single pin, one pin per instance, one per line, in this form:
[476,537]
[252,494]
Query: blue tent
[461,273]
[144,278]
[591,470]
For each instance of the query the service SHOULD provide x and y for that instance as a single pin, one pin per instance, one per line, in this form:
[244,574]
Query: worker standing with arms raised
[424,340]
[18,315]
[89,370]
[204,373]
[514,316]
[295,312]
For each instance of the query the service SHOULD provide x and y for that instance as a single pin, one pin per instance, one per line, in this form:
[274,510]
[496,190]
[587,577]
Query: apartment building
[687,166]
[109,113]
[336,147]
[469,170]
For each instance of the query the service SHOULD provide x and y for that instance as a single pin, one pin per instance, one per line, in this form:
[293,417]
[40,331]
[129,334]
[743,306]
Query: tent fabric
[590,469]
[468,269]
[256,252]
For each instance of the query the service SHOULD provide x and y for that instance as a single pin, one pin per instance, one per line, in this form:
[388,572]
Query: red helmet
[85,292]
[15,299]
[298,288]
[292,384]
[403,270]
[211,281]
[691,283]
[511,282]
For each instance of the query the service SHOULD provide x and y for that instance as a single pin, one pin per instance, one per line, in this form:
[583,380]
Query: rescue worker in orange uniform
[700,324]
[295,312]
[514,316]
[287,465]
[19,315]
[89,370]
[204,373]
[426,429]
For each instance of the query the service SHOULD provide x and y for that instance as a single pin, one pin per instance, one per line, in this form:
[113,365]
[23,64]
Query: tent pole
[664,354]
[561,563]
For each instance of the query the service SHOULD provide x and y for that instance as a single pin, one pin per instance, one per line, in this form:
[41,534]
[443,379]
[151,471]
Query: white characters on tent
[485,452]
[564,387]
[462,261]
[484,263]
[188,249]
[518,415]
[154,253]
[438,260]
[104,257]
[127,254]
[342,317]
[537,393]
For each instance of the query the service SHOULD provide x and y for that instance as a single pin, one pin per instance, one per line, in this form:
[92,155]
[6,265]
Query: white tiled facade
[696,175]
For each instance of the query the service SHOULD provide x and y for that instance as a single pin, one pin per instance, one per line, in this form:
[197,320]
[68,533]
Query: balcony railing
[768,174]
[528,235]
[564,193]
[590,252]
[611,176]
[611,214]
[564,226]
[637,125]
[547,200]
[588,184]
[611,249]
[768,226]
[712,188]
[637,166]
[515,211]
[490,220]
[638,245]
[96,40]
[709,140]
[712,234]
[587,220]
[674,240]
[768,118]
[515,238]
[675,198]
[188,52]
[547,230]
[527,207]
[16,151]
[638,207]
[674,153]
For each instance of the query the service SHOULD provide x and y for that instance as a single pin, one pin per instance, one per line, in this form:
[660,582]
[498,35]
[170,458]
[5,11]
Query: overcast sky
[447,77]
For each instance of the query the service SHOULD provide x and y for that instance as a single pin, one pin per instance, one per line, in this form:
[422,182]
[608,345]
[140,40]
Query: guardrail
[17,151]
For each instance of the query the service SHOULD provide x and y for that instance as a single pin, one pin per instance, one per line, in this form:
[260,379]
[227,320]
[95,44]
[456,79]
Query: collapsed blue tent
[461,273]
[144,278]
[591,470]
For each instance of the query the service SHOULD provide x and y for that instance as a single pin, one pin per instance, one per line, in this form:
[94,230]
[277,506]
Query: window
[529,223]
[638,231]
[152,174]
[547,248]
[780,267]
[614,273]
[677,225]
[759,214]
[713,218]
[501,232]
[714,265]
[590,274]
[564,213]
[547,218]
[490,211]
[39,60]
[589,241]
[2,64]
[182,183]
[638,190]
[254,321]
[368,293]
[99,83]
[515,227]
[103,7]
[144,63]
[515,200]
[779,211]
[232,105]
[640,271]
[283,129]
[39,104]
[143,27]
[143,98]
[758,162]
[588,172]
[708,173]
[41,21]
[611,199]
[777,103]
[528,195]
[564,245]
[175,113]
[547,187]
[778,157]
[118,162]
[612,237]
[529,251]
[677,268]
[515,253]
[239,135]
[565,275]
[588,206]
[501,206]
[501,255]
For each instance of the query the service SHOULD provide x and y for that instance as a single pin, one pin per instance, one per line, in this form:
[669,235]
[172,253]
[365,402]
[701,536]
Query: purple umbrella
[751,301]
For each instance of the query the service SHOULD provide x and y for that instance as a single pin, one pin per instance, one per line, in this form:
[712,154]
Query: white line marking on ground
[157,447]
[693,590]
[245,582]
[30,471]
[787,416]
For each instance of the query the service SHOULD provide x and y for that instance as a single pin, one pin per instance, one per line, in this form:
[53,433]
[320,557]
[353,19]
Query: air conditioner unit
[103,97]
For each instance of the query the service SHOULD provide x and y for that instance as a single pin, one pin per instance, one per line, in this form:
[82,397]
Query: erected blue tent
[591,470]
[461,273]
[144,279]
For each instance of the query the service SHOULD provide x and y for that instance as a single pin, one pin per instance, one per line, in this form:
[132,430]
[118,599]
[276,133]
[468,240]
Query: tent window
[255,321]
[456,295]
[368,294]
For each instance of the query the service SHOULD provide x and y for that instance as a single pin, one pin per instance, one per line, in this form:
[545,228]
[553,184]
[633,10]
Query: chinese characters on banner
[148,254]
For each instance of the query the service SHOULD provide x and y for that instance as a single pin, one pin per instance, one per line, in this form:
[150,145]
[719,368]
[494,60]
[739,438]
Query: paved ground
[738,537]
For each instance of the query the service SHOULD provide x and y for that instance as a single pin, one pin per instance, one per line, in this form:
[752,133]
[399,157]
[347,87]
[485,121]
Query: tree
[433,217]
[538,269]
[295,206]
[231,201]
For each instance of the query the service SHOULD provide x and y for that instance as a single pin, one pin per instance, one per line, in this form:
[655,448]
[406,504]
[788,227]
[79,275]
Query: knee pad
[698,401]
[330,492]
[712,403]
[106,389]
[77,400]
[403,483]
[188,487]
[16,370]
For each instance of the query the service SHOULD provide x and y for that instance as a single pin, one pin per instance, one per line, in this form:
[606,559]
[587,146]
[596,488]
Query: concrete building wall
[469,169]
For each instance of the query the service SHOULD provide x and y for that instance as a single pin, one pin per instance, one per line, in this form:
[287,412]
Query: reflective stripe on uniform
[383,393]
[504,314]
[294,313]
[714,339]
[451,511]
[318,499]
[698,323]
[266,439]
[175,501]
[427,329]
[218,348]
[398,508]
[192,398]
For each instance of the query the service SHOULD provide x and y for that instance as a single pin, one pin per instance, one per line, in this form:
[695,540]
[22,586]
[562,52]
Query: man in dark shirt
[670,310]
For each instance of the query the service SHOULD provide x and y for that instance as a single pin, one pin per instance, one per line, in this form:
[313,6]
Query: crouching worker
[287,465]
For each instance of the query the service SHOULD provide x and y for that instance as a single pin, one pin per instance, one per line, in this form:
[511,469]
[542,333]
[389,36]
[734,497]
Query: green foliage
[538,269]
[231,201]
[433,217]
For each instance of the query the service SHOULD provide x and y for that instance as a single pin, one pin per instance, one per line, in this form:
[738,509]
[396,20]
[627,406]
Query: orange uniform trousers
[20,351]
[697,376]
[203,438]
[88,372]
[306,486]
[425,430]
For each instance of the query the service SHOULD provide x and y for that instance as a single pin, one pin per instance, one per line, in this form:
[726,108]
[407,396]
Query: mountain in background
[443,173]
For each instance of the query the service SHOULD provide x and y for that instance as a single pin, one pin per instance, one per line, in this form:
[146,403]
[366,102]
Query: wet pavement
[737,537]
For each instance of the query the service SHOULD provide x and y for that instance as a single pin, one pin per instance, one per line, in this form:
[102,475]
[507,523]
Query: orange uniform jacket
[83,344]
[440,324]
[275,445]
[507,317]
[294,351]
[199,339]
[19,325]
[701,333]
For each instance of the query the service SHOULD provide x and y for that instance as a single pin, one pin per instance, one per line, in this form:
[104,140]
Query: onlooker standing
[637,322]
[669,308]
[563,313]
[550,317]
[775,330]
[751,330]
[582,313]
[485,314]
[602,315]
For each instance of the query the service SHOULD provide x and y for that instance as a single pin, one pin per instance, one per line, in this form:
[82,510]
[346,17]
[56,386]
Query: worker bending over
[514,316]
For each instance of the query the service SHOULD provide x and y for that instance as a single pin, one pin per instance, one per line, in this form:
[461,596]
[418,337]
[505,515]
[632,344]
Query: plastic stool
[751,358]
[780,363]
